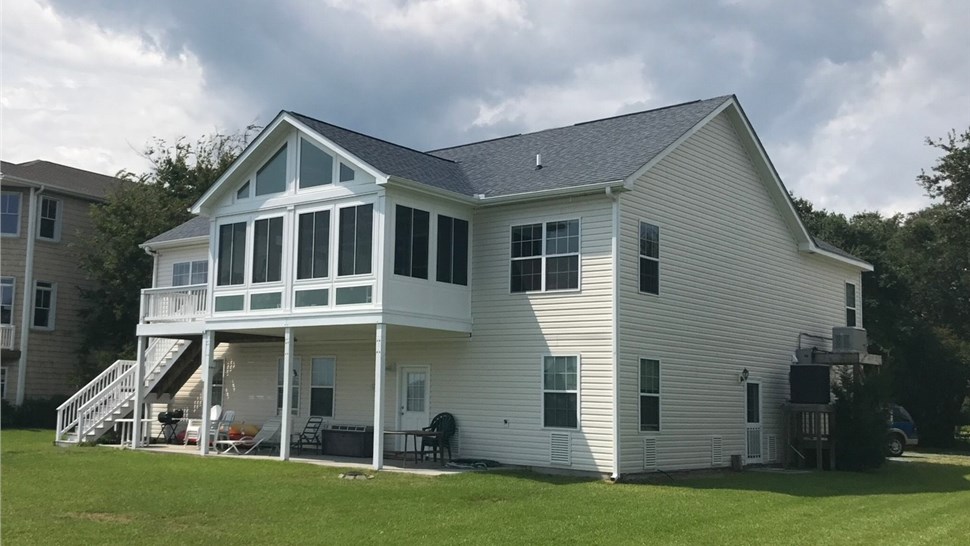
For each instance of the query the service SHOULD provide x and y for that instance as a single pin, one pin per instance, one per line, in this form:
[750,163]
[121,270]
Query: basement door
[752,430]
[413,397]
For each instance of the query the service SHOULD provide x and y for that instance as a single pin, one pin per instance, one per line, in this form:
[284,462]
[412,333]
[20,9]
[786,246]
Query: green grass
[94,495]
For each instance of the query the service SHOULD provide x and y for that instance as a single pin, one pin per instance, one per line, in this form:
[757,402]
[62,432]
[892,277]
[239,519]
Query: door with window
[413,399]
[753,422]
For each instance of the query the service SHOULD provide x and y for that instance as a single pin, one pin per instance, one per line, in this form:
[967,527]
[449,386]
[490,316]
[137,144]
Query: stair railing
[68,412]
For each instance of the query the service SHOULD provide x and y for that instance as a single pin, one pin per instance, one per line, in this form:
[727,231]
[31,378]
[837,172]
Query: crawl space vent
[717,454]
[649,453]
[559,449]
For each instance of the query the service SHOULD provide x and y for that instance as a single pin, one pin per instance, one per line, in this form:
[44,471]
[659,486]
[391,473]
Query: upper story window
[243,191]
[347,174]
[850,304]
[560,391]
[271,177]
[316,166]
[10,213]
[355,240]
[6,300]
[44,296]
[545,256]
[186,273]
[49,223]
[649,258]
[232,254]
[313,245]
[411,234]
[268,249]
[452,250]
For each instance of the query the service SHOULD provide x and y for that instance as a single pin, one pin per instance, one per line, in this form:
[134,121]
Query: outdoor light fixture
[743,376]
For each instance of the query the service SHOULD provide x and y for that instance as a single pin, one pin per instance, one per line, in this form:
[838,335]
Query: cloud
[92,97]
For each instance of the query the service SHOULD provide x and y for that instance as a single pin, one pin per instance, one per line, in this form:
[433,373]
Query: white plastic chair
[194,426]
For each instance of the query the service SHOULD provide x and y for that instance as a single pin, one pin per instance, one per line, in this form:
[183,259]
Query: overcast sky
[842,94]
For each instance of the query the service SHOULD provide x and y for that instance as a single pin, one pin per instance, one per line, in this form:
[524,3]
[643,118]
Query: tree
[145,206]
[950,178]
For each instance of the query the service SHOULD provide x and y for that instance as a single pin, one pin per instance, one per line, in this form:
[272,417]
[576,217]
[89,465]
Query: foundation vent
[559,449]
[649,453]
[717,453]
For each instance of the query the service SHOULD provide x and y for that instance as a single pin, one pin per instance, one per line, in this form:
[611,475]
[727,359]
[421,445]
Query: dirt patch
[101,517]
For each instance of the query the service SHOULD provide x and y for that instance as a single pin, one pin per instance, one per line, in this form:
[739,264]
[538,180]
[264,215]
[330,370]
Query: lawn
[107,496]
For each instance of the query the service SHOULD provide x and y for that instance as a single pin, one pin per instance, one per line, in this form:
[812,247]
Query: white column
[285,416]
[136,424]
[380,348]
[28,296]
[208,348]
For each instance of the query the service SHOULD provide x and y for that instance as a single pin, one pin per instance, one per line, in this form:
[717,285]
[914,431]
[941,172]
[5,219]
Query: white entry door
[752,430]
[413,389]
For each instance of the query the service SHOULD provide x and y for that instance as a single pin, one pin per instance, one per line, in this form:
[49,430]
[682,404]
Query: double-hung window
[649,394]
[44,296]
[186,273]
[268,249]
[6,300]
[232,254]
[10,213]
[452,250]
[218,380]
[850,304]
[354,240]
[294,388]
[560,391]
[649,258]
[412,229]
[322,383]
[49,222]
[545,256]
[313,245]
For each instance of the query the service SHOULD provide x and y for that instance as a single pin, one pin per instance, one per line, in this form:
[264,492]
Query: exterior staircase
[109,397]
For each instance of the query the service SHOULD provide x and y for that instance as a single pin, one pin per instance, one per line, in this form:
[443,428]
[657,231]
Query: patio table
[415,434]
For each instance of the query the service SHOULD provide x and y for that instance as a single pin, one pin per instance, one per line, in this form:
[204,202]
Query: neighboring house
[585,297]
[43,212]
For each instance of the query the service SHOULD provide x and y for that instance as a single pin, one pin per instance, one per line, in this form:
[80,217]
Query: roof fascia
[552,193]
[395,181]
[812,248]
[187,241]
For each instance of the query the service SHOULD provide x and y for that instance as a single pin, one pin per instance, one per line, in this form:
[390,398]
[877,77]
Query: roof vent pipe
[538,161]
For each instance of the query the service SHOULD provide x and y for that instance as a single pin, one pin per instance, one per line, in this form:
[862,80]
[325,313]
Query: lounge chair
[266,435]
[193,426]
[309,436]
[444,424]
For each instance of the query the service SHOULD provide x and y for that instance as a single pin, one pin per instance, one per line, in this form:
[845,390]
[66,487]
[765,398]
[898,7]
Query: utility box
[846,339]
[809,384]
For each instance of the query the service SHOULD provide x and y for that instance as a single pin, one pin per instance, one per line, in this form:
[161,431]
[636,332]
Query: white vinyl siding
[168,257]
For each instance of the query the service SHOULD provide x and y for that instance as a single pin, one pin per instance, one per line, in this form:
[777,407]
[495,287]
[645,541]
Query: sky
[842,94]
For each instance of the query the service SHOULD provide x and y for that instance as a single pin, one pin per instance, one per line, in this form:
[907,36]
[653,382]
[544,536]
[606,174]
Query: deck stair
[94,409]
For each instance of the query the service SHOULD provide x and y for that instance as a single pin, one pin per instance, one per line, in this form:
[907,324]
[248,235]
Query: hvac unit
[846,339]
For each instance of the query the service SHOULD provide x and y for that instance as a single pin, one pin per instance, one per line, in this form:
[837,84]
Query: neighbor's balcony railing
[175,304]
[7,334]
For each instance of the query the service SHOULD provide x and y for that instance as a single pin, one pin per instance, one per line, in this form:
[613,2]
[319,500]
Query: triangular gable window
[316,166]
[271,178]
[346,173]
[243,192]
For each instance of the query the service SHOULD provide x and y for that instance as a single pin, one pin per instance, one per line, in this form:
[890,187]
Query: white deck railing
[7,334]
[175,304]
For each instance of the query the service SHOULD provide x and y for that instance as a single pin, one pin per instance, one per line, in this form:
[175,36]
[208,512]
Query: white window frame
[220,365]
[658,395]
[295,387]
[4,372]
[374,234]
[194,267]
[331,245]
[333,387]
[855,303]
[251,248]
[640,257]
[543,391]
[58,218]
[51,310]
[544,256]
[20,201]
[13,295]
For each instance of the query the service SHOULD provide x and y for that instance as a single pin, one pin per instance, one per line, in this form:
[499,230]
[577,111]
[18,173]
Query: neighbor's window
[186,273]
[850,304]
[232,254]
[6,300]
[452,250]
[560,400]
[316,166]
[268,249]
[49,223]
[10,213]
[44,296]
[411,234]
[354,244]
[649,394]
[649,258]
[271,177]
[545,256]
[313,245]
[294,388]
[322,383]
[218,379]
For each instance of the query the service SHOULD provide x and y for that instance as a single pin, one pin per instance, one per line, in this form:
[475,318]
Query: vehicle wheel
[896,445]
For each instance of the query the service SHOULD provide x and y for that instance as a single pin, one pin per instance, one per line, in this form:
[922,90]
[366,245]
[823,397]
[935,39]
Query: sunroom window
[316,166]
[452,250]
[313,245]
[271,177]
[268,249]
[232,254]
[356,232]
[411,234]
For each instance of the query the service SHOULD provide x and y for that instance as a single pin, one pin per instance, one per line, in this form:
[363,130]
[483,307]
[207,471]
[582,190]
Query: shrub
[33,413]
[861,421]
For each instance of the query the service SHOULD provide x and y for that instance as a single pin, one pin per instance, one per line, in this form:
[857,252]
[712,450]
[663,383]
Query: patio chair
[266,435]
[193,427]
[443,423]
[221,429]
[309,436]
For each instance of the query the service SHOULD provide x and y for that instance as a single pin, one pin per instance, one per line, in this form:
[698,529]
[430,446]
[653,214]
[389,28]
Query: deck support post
[285,412]
[139,395]
[208,342]
[380,348]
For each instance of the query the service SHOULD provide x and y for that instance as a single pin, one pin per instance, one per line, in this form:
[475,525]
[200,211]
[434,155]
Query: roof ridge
[369,136]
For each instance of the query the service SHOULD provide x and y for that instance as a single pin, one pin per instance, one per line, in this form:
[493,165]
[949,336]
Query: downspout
[615,338]
[28,294]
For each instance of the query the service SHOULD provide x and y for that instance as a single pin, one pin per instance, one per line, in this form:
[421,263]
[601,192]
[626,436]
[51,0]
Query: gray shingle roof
[196,227]
[62,177]
[828,247]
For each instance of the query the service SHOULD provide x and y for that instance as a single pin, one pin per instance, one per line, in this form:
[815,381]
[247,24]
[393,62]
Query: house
[614,297]
[43,214]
